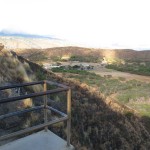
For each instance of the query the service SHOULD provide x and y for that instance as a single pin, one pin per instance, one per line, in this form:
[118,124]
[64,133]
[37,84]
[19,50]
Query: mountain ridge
[21,34]
[28,42]
[125,54]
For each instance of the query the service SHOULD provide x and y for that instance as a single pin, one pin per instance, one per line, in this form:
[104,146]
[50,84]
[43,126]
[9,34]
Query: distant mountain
[111,54]
[25,35]
[13,40]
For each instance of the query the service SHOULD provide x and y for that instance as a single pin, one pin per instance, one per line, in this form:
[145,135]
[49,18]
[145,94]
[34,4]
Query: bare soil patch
[116,74]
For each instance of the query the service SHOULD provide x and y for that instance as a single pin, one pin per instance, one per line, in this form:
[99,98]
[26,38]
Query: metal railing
[44,93]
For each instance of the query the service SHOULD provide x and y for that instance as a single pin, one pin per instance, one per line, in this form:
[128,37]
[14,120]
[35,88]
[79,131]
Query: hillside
[96,124]
[94,54]
[28,42]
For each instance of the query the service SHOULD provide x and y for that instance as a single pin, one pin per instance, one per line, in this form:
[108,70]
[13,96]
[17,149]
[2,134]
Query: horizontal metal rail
[30,110]
[57,111]
[57,84]
[12,99]
[51,100]
[21,112]
[34,128]
[20,85]
[45,107]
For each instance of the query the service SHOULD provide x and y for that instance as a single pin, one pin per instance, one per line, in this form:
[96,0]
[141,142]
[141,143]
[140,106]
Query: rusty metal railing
[64,117]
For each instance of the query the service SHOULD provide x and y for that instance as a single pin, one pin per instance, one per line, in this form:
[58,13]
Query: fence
[60,88]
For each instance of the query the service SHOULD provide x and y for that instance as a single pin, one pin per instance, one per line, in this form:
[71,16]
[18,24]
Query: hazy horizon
[7,33]
[87,23]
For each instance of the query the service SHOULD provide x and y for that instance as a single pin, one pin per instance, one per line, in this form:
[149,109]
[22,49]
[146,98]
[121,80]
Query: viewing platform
[38,141]
[41,138]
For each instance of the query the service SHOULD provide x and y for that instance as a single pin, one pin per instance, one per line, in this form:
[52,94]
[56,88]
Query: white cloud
[89,22]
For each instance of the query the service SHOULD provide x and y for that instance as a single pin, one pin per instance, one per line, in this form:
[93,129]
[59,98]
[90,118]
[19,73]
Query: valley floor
[116,74]
[100,70]
[128,89]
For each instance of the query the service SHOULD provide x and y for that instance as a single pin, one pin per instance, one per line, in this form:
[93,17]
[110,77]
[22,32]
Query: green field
[141,68]
[132,93]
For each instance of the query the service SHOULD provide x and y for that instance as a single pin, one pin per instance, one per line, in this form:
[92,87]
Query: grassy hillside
[96,123]
[132,93]
[85,54]
[141,68]
[14,70]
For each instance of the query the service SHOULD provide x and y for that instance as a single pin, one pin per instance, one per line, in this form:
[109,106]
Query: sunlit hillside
[19,43]
[94,55]
[96,123]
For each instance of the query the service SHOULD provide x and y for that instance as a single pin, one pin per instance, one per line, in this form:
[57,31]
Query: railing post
[69,116]
[45,105]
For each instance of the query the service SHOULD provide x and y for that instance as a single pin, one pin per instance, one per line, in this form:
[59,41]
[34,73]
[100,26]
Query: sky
[90,23]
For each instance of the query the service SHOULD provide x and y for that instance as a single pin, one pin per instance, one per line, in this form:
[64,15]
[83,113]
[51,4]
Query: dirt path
[116,74]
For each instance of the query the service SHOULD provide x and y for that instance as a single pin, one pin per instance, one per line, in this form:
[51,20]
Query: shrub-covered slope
[100,124]
[96,124]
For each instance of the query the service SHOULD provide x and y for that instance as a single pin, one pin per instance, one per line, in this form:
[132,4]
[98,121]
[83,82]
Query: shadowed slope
[96,124]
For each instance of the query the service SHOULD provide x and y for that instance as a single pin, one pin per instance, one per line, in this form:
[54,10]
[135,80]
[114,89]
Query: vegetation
[88,58]
[11,69]
[55,58]
[97,121]
[37,57]
[126,92]
[134,67]
[96,124]
[69,70]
